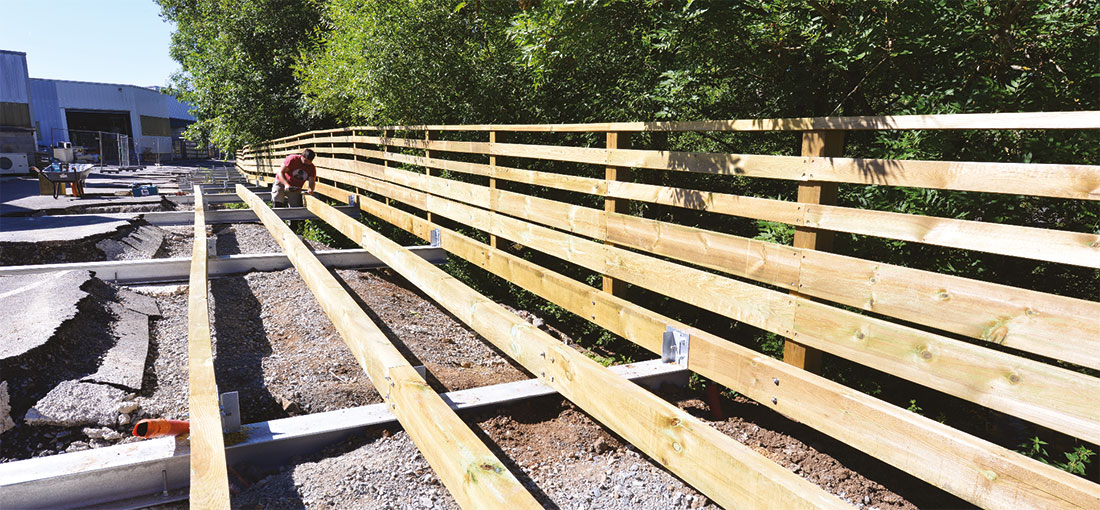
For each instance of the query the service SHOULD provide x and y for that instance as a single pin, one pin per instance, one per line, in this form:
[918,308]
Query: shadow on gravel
[240,346]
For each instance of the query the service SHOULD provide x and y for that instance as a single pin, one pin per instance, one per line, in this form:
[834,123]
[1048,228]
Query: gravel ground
[276,347]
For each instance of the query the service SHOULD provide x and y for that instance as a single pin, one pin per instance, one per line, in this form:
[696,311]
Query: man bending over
[296,171]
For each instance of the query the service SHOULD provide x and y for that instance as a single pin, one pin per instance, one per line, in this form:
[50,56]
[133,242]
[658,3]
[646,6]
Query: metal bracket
[231,411]
[437,238]
[422,371]
[674,346]
[353,200]
[212,247]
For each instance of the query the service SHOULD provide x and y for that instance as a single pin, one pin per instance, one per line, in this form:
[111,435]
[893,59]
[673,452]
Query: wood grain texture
[975,470]
[1076,248]
[973,372]
[725,470]
[465,465]
[985,121]
[814,144]
[616,140]
[209,482]
[1018,318]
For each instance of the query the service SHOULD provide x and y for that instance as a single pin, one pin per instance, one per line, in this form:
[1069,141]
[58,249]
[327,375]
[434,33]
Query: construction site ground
[275,346]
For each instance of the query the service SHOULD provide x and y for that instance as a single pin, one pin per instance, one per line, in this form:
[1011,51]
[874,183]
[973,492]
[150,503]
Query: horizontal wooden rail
[1051,180]
[1027,320]
[465,465]
[1048,395]
[1075,248]
[970,468]
[725,470]
[209,479]
[977,121]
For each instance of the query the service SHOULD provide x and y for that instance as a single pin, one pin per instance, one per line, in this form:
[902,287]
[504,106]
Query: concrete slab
[142,243]
[59,228]
[74,403]
[124,364]
[6,422]
[35,306]
[140,303]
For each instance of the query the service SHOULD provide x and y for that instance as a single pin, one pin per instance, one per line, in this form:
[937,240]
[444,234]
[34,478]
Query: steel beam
[156,471]
[167,218]
[178,269]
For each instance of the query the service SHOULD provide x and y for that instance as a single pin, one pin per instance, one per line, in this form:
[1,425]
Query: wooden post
[387,133]
[429,136]
[616,140]
[814,144]
[494,137]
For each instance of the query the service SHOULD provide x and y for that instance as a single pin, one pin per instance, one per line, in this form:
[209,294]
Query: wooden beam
[494,137]
[616,140]
[209,481]
[1045,394]
[725,470]
[984,121]
[1018,318]
[429,135]
[814,144]
[1052,180]
[465,465]
[975,470]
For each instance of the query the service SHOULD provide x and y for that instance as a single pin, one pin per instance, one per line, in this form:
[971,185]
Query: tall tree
[237,59]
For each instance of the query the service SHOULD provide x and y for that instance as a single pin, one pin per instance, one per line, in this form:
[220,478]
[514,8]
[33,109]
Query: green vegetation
[259,69]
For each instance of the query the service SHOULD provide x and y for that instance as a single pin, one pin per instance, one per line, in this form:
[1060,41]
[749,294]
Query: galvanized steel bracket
[437,238]
[674,346]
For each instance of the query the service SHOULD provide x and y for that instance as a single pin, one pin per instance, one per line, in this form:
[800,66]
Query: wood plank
[1017,318]
[209,481]
[972,373]
[975,470]
[1053,180]
[991,121]
[725,470]
[814,144]
[470,471]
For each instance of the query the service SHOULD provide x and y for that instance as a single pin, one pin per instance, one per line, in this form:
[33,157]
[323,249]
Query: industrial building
[110,122]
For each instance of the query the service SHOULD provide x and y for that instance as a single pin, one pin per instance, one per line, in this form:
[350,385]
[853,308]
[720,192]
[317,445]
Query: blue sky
[112,41]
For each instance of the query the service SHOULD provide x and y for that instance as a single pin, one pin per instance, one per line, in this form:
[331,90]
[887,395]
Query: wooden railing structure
[1024,353]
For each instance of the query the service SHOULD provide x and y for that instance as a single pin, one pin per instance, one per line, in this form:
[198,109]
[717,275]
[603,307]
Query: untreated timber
[147,473]
[209,483]
[1077,248]
[1022,319]
[725,470]
[983,121]
[1048,395]
[1053,180]
[975,470]
[465,465]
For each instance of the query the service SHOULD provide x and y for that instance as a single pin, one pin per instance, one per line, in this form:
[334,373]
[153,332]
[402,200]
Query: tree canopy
[255,69]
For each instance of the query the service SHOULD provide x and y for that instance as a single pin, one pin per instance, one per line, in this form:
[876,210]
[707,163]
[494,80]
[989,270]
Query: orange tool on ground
[159,427]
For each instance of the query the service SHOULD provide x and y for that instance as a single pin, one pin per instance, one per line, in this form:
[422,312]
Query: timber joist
[1051,396]
[944,332]
[973,469]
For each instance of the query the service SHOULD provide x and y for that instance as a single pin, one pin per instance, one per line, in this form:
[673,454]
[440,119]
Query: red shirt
[296,171]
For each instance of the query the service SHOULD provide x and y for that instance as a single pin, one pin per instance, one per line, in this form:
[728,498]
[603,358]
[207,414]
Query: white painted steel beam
[178,269]
[156,471]
[167,218]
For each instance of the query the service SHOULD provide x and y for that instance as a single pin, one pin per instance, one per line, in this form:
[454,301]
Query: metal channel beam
[233,215]
[178,269]
[156,471]
[213,198]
